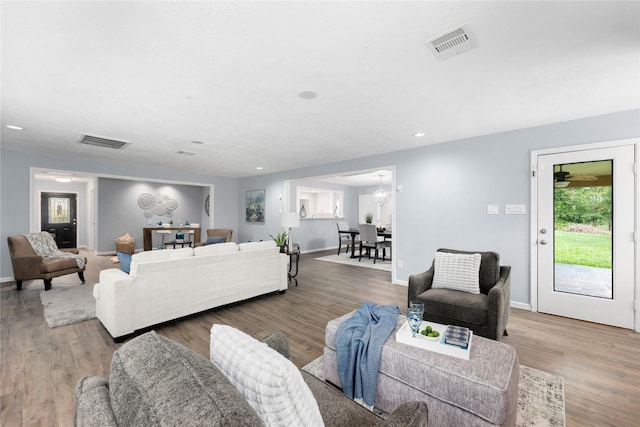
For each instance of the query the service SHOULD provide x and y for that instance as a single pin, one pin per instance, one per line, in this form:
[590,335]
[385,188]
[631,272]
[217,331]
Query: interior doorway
[322,232]
[584,234]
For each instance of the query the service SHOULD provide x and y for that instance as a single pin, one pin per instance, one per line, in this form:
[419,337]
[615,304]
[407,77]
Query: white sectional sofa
[167,284]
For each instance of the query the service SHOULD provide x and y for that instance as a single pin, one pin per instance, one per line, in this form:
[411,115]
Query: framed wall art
[255,206]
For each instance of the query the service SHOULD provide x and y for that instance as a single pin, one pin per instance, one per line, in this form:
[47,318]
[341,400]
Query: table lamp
[290,220]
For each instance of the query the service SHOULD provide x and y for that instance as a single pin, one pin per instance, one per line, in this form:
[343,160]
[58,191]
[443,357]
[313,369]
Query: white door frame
[533,236]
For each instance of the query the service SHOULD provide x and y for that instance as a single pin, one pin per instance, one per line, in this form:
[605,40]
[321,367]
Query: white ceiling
[228,74]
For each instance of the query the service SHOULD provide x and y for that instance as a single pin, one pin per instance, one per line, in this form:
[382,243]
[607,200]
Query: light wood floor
[40,366]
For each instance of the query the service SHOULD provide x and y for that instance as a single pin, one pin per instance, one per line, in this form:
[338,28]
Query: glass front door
[585,235]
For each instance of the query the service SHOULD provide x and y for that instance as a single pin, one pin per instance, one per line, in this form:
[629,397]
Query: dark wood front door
[58,213]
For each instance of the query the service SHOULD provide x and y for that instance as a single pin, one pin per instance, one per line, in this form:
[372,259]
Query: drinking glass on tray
[414,317]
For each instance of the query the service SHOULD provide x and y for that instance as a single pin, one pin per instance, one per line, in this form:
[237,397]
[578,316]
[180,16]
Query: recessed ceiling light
[15,127]
[197,142]
[59,179]
[185,153]
[419,134]
[259,168]
[307,94]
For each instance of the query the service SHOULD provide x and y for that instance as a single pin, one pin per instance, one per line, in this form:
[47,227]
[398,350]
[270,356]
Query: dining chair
[343,238]
[387,244]
[369,240]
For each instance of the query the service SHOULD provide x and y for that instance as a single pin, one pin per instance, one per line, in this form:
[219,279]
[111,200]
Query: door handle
[543,242]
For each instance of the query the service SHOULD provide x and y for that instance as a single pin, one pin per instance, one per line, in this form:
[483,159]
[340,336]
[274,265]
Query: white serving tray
[405,336]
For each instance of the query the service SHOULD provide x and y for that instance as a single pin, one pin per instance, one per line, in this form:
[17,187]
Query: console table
[147,234]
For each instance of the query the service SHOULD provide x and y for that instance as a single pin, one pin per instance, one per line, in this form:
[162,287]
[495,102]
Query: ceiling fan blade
[582,177]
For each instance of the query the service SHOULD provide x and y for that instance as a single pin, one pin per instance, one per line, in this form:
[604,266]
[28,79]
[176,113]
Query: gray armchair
[486,314]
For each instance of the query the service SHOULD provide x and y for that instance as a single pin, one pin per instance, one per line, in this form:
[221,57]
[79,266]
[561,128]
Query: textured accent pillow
[125,261]
[211,240]
[125,238]
[460,272]
[125,243]
[272,385]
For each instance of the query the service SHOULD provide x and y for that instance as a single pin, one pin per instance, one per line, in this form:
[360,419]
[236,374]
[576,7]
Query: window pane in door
[583,226]
[59,209]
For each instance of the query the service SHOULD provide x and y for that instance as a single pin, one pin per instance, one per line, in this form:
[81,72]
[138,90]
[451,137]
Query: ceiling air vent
[452,43]
[103,142]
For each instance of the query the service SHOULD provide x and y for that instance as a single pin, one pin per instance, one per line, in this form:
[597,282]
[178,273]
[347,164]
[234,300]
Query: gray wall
[120,213]
[14,191]
[446,190]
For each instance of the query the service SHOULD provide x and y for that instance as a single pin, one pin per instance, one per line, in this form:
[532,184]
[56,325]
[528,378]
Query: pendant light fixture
[380,195]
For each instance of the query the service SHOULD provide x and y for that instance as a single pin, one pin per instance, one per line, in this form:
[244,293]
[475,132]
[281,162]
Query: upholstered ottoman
[481,391]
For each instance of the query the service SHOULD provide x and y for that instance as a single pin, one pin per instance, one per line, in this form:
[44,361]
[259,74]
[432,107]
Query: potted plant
[368,218]
[281,240]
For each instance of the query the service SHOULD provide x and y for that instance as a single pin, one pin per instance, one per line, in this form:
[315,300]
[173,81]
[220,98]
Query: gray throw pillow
[213,240]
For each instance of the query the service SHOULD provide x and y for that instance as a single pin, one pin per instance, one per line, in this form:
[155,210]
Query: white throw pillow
[157,255]
[272,385]
[218,248]
[460,272]
[248,246]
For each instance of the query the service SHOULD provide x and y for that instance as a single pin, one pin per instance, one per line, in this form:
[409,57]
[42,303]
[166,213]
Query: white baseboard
[6,279]
[401,282]
[309,251]
[113,253]
[520,305]
[107,253]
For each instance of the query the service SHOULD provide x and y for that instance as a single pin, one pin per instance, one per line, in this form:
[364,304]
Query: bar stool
[189,237]
[163,233]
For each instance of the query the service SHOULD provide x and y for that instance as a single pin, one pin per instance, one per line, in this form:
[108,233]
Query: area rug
[540,399]
[67,305]
[366,263]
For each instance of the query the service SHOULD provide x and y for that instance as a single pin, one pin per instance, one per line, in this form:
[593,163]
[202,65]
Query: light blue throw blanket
[359,341]
[44,245]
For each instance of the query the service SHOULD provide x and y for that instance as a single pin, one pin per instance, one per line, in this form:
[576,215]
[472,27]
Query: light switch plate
[493,209]
[515,209]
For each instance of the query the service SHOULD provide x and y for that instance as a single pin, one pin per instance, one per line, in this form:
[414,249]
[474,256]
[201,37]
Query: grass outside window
[593,250]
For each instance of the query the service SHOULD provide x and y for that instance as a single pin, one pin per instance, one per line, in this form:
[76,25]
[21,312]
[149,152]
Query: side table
[291,253]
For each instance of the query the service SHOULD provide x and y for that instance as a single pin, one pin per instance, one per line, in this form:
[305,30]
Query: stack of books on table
[457,335]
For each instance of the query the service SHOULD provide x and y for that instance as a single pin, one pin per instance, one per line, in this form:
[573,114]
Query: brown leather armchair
[486,314]
[27,265]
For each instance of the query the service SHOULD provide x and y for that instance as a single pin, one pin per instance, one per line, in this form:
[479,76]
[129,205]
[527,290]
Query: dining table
[355,232]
